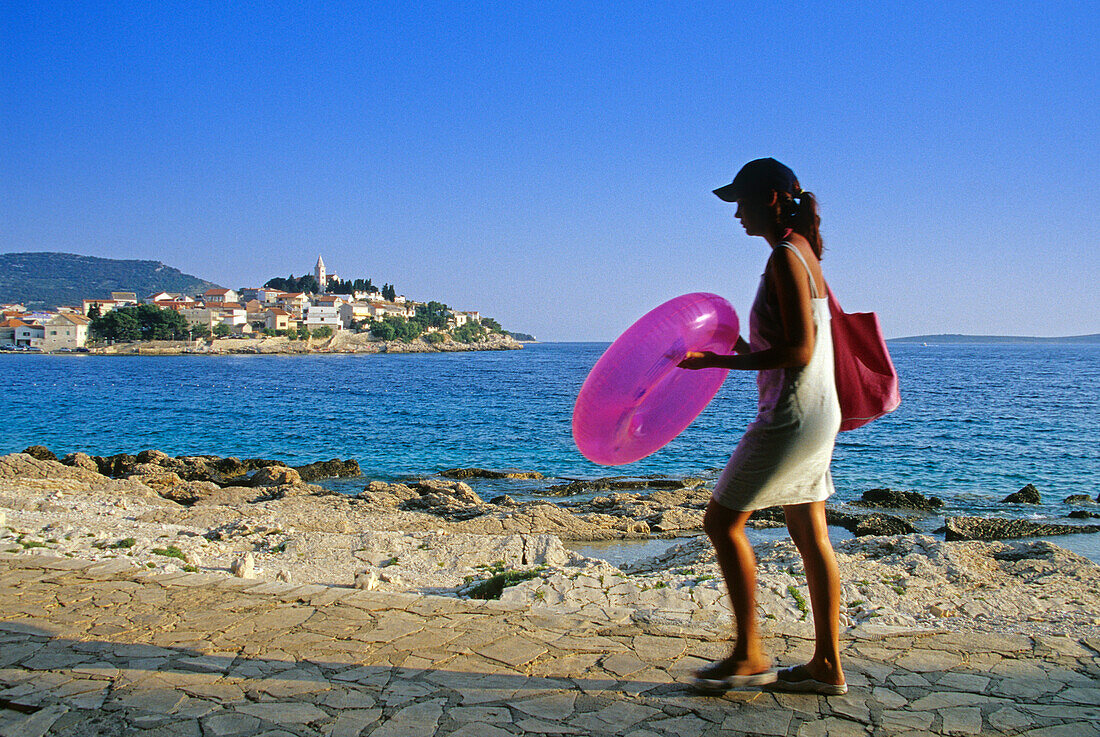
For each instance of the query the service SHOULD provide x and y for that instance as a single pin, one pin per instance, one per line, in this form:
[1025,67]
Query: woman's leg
[806,523]
[726,530]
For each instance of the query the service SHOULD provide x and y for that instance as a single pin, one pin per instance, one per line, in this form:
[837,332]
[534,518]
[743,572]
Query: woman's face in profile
[752,213]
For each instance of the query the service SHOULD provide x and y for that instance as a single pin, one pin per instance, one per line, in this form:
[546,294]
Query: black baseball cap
[760,175]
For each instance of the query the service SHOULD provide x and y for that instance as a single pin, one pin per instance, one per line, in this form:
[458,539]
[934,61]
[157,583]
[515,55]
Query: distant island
[955,338]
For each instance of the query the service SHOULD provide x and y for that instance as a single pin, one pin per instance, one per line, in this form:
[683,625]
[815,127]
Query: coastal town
[260,312]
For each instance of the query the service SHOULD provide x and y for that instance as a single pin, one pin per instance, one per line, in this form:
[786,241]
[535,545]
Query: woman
[783,459]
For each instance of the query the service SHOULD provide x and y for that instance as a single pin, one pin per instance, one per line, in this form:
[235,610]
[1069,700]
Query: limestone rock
[23,466]
[899,500]
[153,456]
[1027,495]
[882,524]
[284,576]
[980,528]
[116,466]
[244,567]
[81,460]
[366,579]
[40,452]
[454,489]
[1078,499]
[328,469]
[481,473]
[678,519]
[276,476]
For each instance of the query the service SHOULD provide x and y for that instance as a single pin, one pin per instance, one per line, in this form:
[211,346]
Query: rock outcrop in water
[481,473]
[982,528]
[224,472]
[1027,495]
[892,499]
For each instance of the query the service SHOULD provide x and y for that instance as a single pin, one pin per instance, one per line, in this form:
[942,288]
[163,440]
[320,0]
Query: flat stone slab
[178,655]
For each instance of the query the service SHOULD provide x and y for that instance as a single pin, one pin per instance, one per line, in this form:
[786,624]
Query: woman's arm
[792,290]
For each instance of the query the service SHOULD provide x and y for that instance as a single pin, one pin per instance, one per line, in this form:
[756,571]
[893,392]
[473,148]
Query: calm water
[976,422]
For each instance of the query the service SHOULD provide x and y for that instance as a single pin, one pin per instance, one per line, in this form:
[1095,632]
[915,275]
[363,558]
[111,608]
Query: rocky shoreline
[259,518]
[342,342]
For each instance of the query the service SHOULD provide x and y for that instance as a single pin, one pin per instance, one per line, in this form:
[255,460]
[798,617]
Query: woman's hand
[700,360]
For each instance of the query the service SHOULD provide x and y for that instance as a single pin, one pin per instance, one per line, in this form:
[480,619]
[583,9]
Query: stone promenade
[107,649]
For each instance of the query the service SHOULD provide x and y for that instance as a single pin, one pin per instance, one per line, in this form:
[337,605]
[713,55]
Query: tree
[308,284]
[383,330]
[116,325]
[389,293]
[492,325]
[221,330]
[323,332]
[433,314]
[471,332]
[303,332]
[434,338]
[94,312]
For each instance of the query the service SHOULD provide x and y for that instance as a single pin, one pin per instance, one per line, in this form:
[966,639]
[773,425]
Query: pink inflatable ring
[635,399]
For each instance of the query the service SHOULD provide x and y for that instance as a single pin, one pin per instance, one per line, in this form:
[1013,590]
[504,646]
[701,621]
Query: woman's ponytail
[806,222]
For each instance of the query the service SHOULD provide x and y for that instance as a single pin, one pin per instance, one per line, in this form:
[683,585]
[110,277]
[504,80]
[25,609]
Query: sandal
[710,681]
[798,680]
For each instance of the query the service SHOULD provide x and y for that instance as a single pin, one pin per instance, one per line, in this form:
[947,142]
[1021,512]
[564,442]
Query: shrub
[323,332]
[434,338]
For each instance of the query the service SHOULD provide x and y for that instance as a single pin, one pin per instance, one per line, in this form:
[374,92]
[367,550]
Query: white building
[322,315]
[219,295]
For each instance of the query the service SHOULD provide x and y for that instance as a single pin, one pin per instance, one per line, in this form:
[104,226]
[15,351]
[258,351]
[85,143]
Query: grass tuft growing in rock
[799,600]
[169,552]
[493,587]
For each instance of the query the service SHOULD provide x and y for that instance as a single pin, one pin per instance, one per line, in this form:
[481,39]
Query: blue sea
[976,423]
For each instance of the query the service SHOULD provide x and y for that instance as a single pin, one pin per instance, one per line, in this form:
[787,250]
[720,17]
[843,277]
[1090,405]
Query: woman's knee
[722,523]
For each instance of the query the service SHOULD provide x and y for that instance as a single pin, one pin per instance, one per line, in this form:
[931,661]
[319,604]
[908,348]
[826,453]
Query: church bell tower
[320,274]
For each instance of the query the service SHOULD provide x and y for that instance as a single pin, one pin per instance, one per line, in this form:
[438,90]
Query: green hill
[46,280]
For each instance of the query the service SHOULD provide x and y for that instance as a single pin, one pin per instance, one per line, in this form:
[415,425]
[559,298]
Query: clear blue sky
[551,164]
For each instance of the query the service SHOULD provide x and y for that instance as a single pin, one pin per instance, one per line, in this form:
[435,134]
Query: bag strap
[813,283]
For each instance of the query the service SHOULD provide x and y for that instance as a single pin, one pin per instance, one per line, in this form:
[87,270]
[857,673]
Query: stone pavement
[104,649]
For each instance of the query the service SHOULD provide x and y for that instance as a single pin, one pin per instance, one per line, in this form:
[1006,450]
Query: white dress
[785,454]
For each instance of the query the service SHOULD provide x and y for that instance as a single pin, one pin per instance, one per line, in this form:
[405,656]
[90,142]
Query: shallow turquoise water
[976,423]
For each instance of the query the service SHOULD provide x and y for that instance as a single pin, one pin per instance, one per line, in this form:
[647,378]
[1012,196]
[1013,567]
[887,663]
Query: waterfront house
[247,294]
[7,330]
[322,315]
[255,309]
[231,313]
[28,334]
[353,312]
[329,300]
[211,296]
[175,302]
[269,296]
[65,331]
[293,302]
[104,305]
[276,318]
[202,317]
[381,309]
